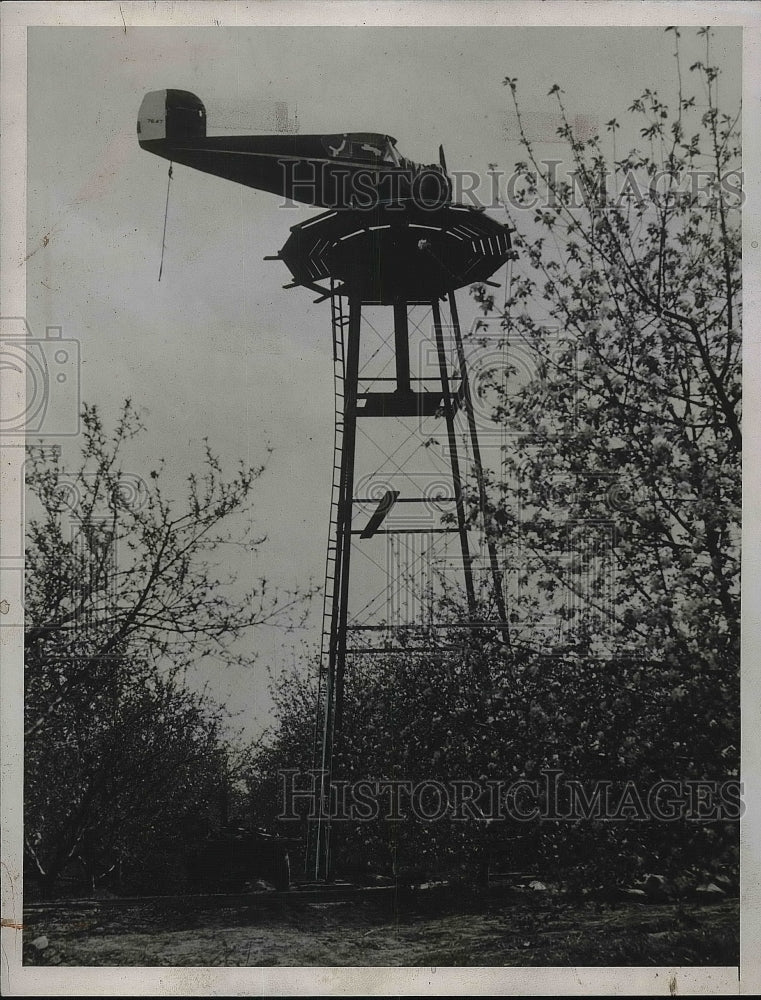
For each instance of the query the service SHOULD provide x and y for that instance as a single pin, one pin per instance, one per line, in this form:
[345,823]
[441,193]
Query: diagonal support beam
[380,513]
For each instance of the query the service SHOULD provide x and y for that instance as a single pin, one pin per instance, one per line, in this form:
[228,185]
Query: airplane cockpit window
[371,150]
[367,148]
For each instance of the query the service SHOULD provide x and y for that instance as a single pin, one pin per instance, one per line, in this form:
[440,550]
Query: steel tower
[400,261]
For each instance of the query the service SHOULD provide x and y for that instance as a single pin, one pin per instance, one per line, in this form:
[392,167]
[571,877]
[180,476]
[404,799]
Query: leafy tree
[123,594]
[632,419]
[429,719]
[629,431]
[122,781]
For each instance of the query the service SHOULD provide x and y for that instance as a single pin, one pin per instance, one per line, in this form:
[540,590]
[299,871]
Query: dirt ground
[505,932]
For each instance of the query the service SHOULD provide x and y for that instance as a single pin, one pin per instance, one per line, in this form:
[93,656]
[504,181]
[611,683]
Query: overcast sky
[218,349]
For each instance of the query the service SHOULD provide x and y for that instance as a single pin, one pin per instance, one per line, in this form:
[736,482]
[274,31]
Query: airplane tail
[172,115]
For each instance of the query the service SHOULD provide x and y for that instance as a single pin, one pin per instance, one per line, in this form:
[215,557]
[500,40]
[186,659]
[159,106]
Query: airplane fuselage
[353,170]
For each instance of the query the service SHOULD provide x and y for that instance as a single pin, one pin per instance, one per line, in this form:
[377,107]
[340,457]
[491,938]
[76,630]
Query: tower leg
[496,575]
[454,461]
[402,346]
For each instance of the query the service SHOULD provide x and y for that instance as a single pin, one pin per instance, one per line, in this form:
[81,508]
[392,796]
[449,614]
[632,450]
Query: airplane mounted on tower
[394,230]
[392,236]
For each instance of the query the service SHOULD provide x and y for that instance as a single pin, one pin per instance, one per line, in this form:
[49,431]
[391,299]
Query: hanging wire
[508,285]
[166,213]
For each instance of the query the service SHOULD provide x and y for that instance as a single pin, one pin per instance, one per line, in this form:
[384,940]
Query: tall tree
[632,419]
[123,593]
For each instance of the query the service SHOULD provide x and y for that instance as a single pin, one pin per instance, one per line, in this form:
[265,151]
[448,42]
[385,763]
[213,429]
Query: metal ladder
[339,322]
